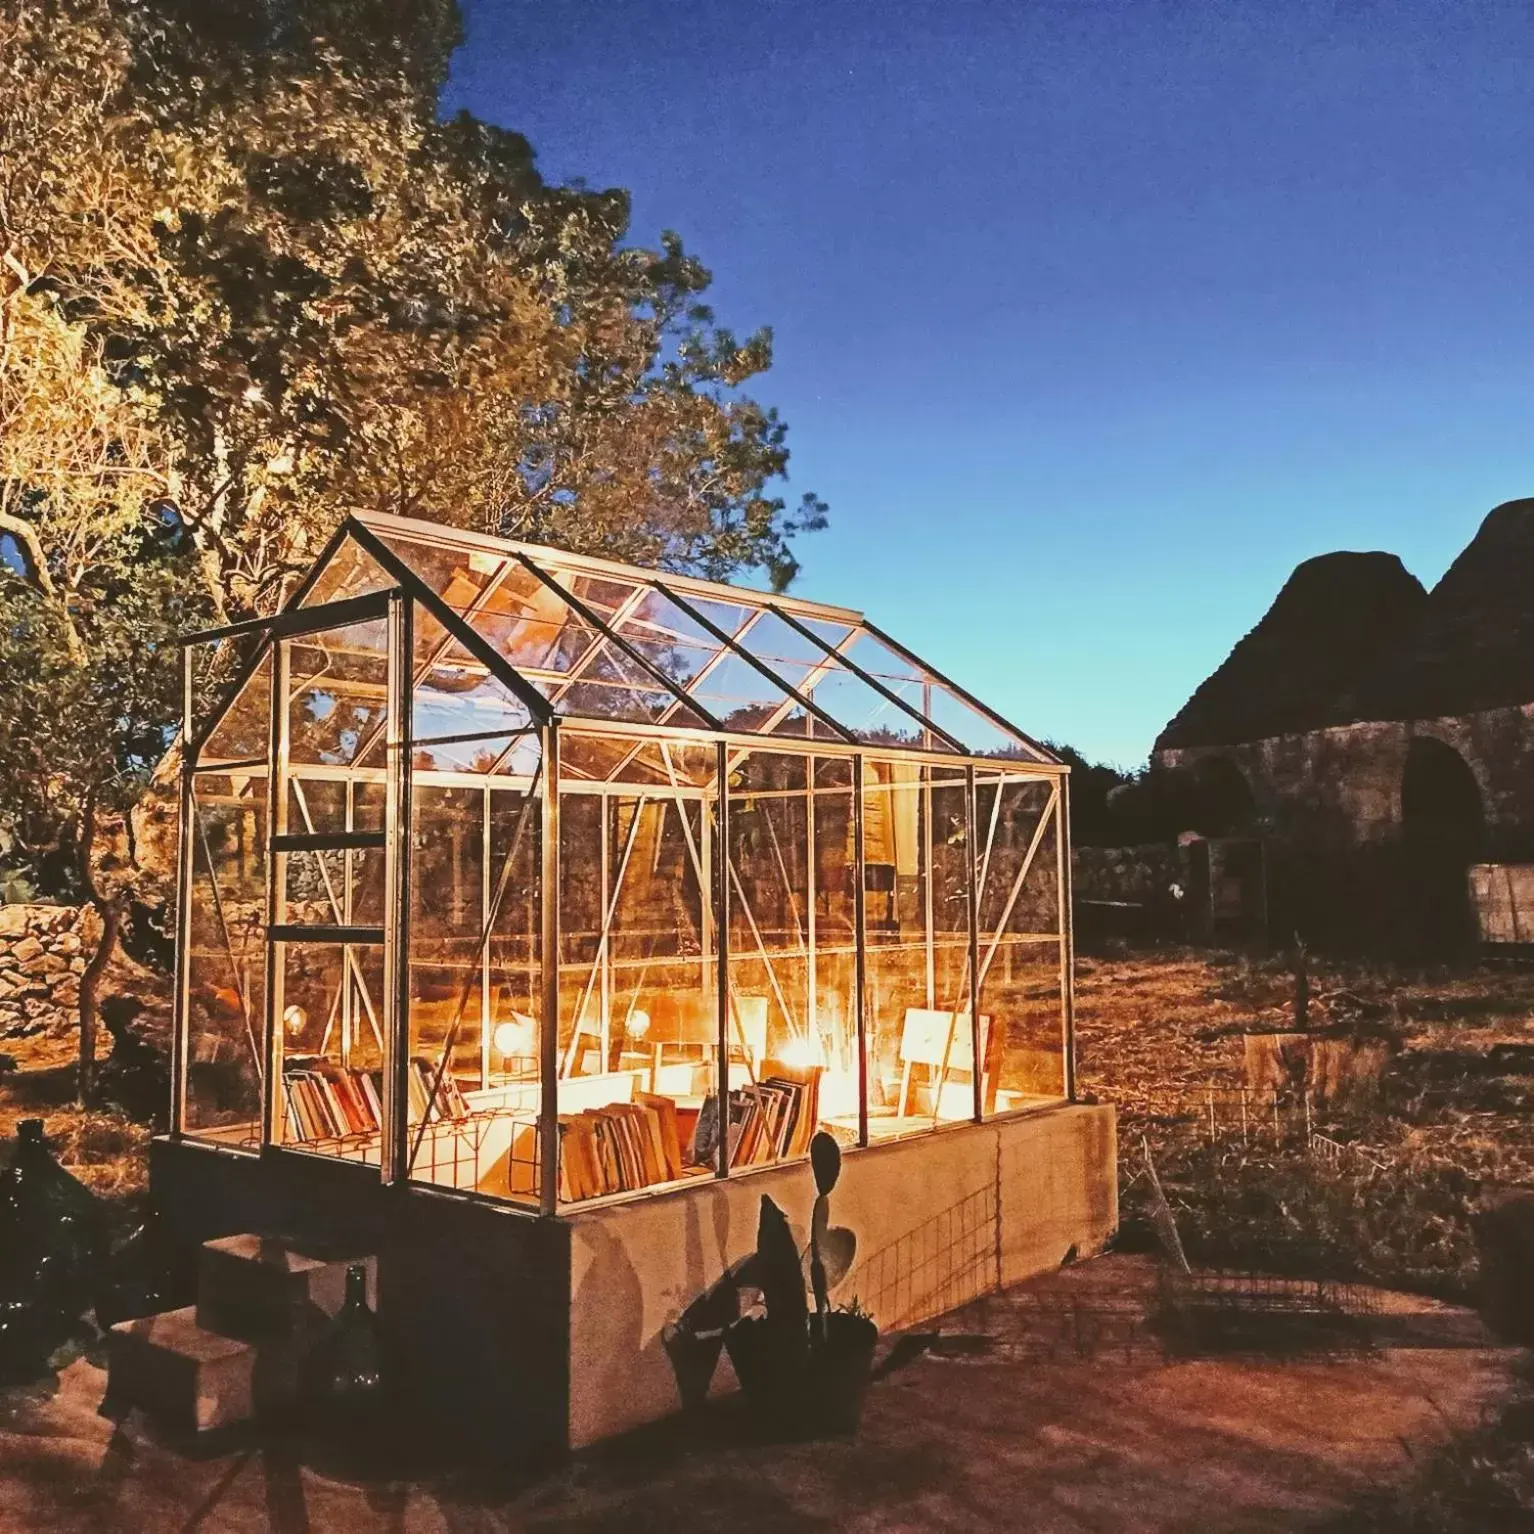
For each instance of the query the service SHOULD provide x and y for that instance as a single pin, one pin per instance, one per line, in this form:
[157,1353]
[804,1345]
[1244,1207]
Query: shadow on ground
[1053,1406]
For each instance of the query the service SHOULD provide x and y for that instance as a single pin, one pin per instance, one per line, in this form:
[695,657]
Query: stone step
[189,1380]
[261,1289]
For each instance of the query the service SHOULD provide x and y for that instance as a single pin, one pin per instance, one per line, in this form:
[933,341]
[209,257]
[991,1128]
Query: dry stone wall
[43,949]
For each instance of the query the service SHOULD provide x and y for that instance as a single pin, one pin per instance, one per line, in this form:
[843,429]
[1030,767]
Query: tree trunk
[110,905]
[111,915]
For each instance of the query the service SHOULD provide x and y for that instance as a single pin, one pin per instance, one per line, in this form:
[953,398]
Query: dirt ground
[1054,1407]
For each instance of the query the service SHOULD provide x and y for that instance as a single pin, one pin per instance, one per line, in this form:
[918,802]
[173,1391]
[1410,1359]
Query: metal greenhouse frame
[549,880]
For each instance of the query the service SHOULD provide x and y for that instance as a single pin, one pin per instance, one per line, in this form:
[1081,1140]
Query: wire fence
[1269,1120]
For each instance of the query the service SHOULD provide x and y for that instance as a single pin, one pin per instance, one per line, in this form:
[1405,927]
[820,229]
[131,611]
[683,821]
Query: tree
[251,283]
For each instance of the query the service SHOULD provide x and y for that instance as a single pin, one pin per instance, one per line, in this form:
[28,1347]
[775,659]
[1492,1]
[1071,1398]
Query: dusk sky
[1092,319]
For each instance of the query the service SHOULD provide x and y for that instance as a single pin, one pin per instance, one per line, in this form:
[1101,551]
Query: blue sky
[1093,317]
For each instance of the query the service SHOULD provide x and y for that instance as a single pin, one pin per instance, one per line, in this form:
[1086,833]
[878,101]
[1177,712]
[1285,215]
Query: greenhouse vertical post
[394,1157]
[186,810]
[721,895]
[548,1033]
[972,903]
[1067,931]
[272,1107]
[860,945]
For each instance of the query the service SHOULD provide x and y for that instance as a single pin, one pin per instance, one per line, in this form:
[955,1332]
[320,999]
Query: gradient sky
[1093,317]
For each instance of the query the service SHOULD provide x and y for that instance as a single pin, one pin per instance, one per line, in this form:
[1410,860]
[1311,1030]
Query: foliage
[1093,823]
[327,299]
[249,282]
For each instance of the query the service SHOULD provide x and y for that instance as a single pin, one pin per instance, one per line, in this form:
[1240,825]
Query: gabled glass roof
[591,639]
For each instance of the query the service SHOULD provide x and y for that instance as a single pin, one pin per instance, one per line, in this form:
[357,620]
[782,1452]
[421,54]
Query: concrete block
[188,1379]
[261,1289]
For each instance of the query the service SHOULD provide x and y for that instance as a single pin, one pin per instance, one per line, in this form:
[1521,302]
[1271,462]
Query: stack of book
[327,1101]
[772,1120]
[618,1148]
[449,1102]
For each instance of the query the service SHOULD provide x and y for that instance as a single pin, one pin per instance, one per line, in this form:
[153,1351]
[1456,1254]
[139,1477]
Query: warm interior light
[801,1053]
[838,1094]
[515,1037]
[638,1024]
[295,1020]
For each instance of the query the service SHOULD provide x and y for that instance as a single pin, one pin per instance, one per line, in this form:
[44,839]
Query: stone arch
[1220,798]
[1442,832]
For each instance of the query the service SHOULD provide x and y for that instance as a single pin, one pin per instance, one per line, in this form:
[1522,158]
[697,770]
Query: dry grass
[104,1148]
[1156,1033]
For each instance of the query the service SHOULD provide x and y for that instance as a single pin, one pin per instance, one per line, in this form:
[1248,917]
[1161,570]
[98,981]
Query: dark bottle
[137,1276]
[50,1226]
[345,1381]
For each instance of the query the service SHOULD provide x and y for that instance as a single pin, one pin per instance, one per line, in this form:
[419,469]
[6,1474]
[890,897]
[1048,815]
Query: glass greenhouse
[551,880]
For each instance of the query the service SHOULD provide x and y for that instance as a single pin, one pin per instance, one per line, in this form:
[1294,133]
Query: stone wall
[43,949]
[1328,806]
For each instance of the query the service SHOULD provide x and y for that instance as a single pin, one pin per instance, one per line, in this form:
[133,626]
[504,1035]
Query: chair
[942,1042]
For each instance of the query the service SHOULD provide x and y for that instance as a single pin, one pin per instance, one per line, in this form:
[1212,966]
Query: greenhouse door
[338,786]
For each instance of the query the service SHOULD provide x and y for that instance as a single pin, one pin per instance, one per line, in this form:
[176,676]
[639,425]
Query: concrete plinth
[520,1337]
[940,1219]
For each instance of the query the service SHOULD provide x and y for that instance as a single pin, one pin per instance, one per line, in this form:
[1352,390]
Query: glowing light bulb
[295,1020]
[638,1023]
[514,1038]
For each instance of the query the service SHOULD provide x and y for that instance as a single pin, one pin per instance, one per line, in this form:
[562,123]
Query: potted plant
[803,1372]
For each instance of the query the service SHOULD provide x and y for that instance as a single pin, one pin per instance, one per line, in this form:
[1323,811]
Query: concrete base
[940,1219]
[189,1379]
[518,1337]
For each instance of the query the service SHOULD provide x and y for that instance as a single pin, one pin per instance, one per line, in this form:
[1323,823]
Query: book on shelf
[327,1101]
[773,1119]
[619,1147]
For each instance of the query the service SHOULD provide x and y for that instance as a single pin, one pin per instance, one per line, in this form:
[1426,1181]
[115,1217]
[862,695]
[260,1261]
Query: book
[668,1129]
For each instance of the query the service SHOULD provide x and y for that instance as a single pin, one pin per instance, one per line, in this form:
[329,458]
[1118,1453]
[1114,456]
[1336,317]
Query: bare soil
[1053,1408]
[1060,1405]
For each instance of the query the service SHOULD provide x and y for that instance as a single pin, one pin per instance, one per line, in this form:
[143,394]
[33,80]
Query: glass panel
[973,731]
[241,734]
[794,1046]
[616,758]
[638,1021]
[331,1048]
[350,572]
[226,958]
[472,1113]
[462,718]
[920,1039]
[614,686]
[745,701]
[505,603]
[865,712]
[338,684]
[448,1001]
[669,637]
[1020,917]
[833,940]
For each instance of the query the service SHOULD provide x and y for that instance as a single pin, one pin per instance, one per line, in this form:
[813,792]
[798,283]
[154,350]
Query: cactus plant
[804,1375]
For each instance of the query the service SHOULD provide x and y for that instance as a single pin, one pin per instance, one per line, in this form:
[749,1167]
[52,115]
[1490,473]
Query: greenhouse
[551,884]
